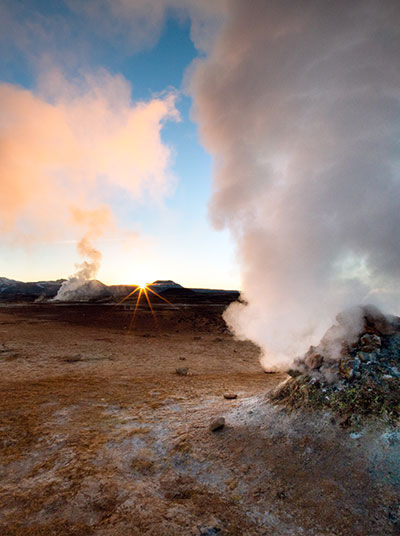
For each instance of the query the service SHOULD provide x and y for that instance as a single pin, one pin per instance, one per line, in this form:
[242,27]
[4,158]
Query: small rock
[363,356]
[182,371]
[346,368]
[217,424]
[281,495]
[313,360]
[387,377]
[230,396]
[232,484]
[370,342]
[293,373]
[345,421]
[209,531]
[182,358]
[73,358]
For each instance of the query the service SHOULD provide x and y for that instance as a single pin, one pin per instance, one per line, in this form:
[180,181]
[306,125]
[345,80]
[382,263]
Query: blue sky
[179,242]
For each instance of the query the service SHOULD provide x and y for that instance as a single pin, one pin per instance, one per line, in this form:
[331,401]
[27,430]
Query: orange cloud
[57,143]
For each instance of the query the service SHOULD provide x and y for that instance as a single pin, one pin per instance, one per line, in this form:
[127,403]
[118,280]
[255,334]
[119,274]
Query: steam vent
[354,371]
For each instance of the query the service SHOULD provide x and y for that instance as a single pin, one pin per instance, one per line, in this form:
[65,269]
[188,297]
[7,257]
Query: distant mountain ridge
[12,290]
[95,291]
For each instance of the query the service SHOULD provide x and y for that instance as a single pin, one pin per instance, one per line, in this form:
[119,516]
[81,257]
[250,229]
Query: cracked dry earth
[99,435]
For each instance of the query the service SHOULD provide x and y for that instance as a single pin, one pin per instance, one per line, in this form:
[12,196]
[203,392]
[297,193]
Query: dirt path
[99,435]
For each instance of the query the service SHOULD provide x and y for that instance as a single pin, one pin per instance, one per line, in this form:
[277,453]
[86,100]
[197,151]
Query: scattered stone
[209,531]
[345,421]
[370,342]
[217,424]
[182,371]
[73,358]
[230,396]
[232,484]
[293,373]
[313,359]
[346,368]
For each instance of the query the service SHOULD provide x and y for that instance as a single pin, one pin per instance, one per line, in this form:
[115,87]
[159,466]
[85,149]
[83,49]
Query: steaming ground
[100,436]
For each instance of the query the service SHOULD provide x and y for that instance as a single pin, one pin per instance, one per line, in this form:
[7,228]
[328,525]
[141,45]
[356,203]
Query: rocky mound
[75,290]
[354,371]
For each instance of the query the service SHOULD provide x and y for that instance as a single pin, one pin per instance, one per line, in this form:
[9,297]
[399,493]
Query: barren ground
[99,435]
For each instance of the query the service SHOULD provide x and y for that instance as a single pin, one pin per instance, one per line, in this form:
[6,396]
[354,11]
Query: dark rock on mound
[354,370]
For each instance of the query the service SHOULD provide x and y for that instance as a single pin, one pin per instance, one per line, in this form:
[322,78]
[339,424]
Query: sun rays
[139,291]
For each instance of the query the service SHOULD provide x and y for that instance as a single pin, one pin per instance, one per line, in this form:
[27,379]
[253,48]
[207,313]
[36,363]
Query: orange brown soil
[99,435]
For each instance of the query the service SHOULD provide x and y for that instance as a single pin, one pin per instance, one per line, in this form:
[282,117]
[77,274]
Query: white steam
[82,285]
[299,103]
[75,287]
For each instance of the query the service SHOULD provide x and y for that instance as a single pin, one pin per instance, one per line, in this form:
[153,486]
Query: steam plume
[299,104]
[74,288]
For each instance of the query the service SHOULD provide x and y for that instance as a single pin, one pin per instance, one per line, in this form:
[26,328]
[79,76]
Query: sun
[143,289]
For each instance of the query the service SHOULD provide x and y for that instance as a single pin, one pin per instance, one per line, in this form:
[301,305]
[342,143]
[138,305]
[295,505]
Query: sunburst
[139,290]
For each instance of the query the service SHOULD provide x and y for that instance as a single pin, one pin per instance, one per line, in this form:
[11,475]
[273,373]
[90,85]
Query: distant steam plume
[96,221]
[88,270]
[299,103]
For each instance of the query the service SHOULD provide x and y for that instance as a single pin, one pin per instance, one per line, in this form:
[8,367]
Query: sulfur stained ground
[99,435]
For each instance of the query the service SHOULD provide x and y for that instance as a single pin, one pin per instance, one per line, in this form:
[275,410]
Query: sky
[161,234]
